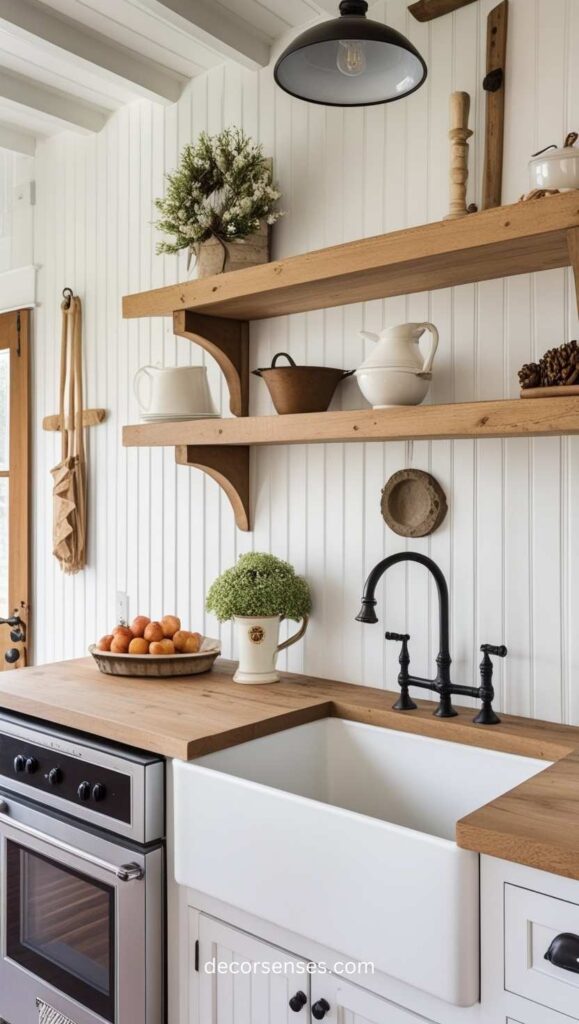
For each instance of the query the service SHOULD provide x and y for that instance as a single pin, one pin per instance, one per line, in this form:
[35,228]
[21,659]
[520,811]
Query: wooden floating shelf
[518,239]
[221,447]
[537,417]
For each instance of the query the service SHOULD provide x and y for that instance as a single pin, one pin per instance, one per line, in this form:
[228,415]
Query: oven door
[82,923]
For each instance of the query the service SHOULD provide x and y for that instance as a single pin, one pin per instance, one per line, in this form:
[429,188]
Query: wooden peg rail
[90,418]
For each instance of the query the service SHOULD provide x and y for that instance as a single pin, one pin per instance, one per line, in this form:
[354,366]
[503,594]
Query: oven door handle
[124,872]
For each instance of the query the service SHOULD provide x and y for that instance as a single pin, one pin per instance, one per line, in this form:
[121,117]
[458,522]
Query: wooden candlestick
[459,134]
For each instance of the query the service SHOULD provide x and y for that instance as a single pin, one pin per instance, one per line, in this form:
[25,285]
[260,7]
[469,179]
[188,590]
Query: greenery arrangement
[259,585]
[223,188]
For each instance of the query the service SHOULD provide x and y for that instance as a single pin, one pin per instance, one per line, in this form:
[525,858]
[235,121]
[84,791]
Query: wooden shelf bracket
[573,247]
[228,342]
[229,467]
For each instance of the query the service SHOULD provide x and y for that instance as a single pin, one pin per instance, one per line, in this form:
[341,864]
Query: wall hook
[67,294]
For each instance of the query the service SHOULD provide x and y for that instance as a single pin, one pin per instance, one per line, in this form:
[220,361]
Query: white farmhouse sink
[344,833]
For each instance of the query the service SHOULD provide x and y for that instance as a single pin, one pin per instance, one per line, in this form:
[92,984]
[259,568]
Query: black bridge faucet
[442,684]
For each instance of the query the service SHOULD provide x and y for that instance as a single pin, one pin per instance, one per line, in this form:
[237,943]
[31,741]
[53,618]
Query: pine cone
[559,366]
[530,375]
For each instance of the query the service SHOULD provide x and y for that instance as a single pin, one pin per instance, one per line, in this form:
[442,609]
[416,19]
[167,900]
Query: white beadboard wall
[162,533]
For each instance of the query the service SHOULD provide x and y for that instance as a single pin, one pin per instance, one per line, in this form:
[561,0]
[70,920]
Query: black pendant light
[350,62]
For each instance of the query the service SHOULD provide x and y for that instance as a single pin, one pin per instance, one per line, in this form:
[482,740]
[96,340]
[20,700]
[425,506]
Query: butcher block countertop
[536,824]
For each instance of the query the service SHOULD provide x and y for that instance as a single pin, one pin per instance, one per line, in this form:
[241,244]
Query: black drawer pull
[564,952]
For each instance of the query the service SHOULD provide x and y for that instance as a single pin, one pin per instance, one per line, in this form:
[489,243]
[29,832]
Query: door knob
[298,1001]
[320,1009]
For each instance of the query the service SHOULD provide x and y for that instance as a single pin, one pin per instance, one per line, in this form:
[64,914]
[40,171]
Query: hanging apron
[69,476]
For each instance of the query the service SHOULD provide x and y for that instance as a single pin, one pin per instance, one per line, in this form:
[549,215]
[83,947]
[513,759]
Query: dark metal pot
[300,388]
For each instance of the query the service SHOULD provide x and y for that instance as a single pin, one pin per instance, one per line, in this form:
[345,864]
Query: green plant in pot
[220,203]
[257,593]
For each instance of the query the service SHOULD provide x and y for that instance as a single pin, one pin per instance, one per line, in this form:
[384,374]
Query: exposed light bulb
[351,57]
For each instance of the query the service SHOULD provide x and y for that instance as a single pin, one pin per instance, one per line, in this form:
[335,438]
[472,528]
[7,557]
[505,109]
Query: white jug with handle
[397,373]
[173,391]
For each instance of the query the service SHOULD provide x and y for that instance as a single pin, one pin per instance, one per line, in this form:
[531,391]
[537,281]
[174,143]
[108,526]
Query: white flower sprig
[223,188]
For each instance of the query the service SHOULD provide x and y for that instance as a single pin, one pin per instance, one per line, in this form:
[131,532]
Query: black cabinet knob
[19,763]
[12,655]
[83,791]
[298,1001]
[31,765]
[320,1009]
[98,792]
[55,776]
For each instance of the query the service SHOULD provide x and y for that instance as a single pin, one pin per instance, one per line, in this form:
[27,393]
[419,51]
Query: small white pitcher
[259,646]
[173,391]
[396,372]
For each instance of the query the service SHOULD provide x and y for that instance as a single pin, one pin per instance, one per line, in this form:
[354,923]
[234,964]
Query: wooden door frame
[15,336]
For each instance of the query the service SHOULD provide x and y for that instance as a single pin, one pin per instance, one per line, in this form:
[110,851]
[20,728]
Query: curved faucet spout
[368,615]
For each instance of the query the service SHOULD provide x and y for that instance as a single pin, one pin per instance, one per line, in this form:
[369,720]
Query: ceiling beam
[70,112]
[216,27]
[37,23]
[17,141]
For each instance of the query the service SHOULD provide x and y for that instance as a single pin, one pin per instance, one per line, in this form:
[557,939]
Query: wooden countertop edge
[517,848]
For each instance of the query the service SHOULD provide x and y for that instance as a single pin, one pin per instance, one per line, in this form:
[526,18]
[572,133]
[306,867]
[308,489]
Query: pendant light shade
[350,62]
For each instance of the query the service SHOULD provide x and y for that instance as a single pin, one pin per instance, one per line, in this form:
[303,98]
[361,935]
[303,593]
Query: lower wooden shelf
[221,447]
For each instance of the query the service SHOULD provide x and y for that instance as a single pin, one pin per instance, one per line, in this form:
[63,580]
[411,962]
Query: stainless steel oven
[82,906]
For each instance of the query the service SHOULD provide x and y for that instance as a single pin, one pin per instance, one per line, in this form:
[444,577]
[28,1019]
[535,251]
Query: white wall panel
[162,532]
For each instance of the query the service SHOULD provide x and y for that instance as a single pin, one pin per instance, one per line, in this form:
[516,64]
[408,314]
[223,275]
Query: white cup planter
[258,645]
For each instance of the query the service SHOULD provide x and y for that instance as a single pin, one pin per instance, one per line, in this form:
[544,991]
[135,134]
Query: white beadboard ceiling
[103,54]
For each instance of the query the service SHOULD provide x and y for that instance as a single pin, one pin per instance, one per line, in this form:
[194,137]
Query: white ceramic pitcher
[259,646]
[396,373]
[180,391]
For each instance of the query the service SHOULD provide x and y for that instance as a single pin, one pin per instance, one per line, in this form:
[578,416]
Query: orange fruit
[179,639]
[156,648]
[153,631]
[170,625]
[124,631]
[168,646]
[192,644]
[138,625]
[105,642]
[120,644]
[139,646]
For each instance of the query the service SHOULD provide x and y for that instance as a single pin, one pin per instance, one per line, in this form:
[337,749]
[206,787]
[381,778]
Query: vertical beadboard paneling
[163,532]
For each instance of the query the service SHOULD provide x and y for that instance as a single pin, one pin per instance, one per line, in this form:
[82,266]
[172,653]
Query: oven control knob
[98,792]
[19,763]
[83,791]
[55,776]
[31,765]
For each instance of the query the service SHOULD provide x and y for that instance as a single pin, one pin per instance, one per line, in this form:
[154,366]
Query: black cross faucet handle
[499,652]
[401,637]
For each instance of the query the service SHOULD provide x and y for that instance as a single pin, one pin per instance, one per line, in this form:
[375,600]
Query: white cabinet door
[244,981]
[349,1004]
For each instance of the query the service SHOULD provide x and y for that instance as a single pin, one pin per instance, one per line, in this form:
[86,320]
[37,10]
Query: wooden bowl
[413,503]
[158,666]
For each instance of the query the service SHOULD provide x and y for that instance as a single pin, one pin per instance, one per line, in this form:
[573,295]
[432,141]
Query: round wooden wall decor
[413,503]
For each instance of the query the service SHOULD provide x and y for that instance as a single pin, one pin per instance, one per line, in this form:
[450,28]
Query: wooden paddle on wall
[426,10]
[494,86]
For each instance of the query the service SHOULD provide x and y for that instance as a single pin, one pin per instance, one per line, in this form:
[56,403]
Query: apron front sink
[344,833]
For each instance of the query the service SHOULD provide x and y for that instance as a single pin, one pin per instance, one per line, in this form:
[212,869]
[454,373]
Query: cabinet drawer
[532,921]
